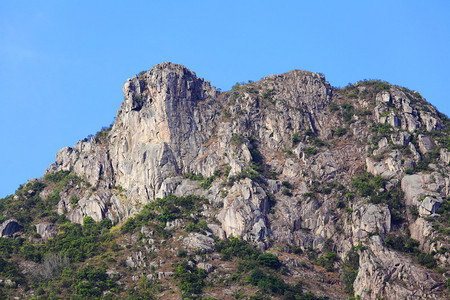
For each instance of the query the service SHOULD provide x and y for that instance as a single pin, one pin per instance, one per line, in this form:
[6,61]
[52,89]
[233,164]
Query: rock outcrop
[277,158]
[46,230]
[9,227]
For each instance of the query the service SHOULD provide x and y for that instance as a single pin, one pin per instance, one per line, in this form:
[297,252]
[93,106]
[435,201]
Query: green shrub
[57,176]
[189,279]
[414,212]
[286,192]
[444,213]
[81,241]
[182,252]
[348,111]
[54,197]
[296,138]
[246,173]
[407,244]
[327,261]
[326,190]
[129,226]
[226,171]
[318,142]
[309,132]
[267,95]
[267,282]
[287,184]
[373,187]
[311,151]
[236,87]
[116,247]
[364,112]
[207,183]
[269,260]
[164,210]
[340,131]
[102,134]
[381,129]
[409,171]
[271,198]
[257,158]
[297,250]
[309,195]
[333,107]
[237,139]
[192,176]
[74,200]
[350,270]
[92,281]
[340,204]
[200,227]
[236,247]
[10,270]
[426,259]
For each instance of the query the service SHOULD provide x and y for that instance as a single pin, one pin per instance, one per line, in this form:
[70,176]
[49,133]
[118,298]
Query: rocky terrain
[284,188]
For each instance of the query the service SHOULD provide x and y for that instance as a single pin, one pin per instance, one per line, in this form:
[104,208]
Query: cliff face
[288,160]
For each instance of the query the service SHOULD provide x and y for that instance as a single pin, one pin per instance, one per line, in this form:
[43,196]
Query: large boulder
[426,143]
[46,230]
[429,206]
[200,242]
[369,219]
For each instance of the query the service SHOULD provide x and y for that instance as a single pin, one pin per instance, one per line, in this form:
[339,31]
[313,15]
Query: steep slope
[353,180]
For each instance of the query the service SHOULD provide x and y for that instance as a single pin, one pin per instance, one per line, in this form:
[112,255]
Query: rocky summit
[285,188]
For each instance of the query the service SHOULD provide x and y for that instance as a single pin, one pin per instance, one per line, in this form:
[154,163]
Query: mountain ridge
[288,163]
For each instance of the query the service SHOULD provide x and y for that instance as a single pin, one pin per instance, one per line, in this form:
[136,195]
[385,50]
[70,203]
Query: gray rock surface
[426,143]
[369,219]
[244,210]
[197,241]
[46,230]
[381,269]
[9,227]
[429,206]
[205,266]
[172,123]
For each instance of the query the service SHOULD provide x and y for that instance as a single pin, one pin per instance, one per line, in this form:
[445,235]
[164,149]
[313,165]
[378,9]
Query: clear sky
[63,63]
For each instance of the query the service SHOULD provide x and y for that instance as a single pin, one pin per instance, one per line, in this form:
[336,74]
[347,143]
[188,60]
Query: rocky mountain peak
[355,178]
[165,82]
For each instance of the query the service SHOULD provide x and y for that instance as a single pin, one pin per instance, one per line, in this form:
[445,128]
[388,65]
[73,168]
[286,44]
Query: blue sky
[63,63]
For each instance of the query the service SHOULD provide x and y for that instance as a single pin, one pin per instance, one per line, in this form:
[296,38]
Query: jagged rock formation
[281,158]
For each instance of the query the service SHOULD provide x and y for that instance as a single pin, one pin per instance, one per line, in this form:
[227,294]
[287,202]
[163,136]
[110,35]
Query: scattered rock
[217,231]
[162,275]
[137,259]
[205,266]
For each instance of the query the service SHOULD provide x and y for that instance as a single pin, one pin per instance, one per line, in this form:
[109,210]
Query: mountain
[285,188]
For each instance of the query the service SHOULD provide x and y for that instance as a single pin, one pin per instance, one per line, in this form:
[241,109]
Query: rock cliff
[288,162]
